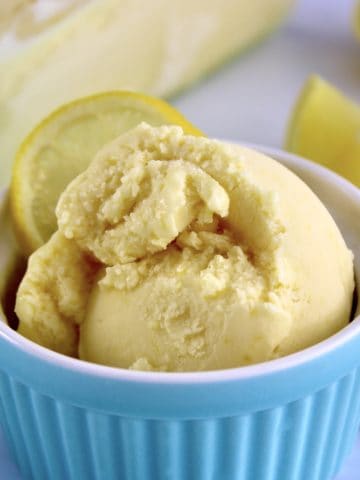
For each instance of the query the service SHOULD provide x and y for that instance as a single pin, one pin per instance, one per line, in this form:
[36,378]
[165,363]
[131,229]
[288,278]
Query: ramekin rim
[214,376]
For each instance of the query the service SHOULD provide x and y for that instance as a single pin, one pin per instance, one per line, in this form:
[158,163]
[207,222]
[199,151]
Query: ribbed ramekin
[294,418]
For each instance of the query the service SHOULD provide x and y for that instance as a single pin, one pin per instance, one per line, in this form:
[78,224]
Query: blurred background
[206,56]
[233,68]
[251,99]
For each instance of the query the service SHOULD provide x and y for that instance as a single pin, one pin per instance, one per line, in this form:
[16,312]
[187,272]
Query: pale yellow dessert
[180,253]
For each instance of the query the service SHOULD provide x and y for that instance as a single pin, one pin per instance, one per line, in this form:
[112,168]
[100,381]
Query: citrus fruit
[63,145]
[325,127]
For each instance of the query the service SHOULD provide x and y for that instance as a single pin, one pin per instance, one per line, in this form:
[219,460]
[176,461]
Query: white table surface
[250,100]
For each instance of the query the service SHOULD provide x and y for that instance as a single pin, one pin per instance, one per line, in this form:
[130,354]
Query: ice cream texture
[181,253]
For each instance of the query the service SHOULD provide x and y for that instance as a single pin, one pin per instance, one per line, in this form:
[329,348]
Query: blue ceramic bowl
[294,418]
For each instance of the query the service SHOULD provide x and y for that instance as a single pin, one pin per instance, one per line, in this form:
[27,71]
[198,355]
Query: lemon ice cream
[181,253]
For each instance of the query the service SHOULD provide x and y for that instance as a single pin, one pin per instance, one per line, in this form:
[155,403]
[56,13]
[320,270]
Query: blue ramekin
[294,418]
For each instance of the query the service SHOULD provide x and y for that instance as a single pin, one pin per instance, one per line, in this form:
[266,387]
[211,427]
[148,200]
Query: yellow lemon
[325,127]
[63,145]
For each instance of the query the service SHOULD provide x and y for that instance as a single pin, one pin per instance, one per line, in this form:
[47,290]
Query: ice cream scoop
[199,255]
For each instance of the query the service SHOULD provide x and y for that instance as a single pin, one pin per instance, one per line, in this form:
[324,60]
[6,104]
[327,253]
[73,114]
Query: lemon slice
[325,127]
[62,146]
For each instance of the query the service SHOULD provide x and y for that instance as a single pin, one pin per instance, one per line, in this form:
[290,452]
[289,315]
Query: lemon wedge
[63,145]
[325,127]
